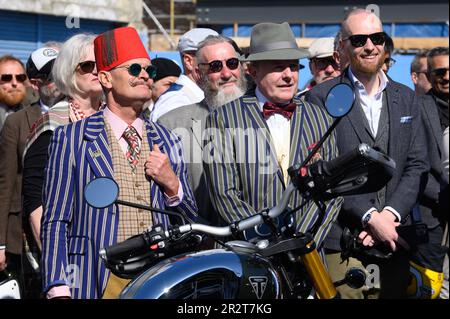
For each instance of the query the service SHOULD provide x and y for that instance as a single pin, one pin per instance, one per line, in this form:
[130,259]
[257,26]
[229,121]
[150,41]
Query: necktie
[286,110]
[134,149]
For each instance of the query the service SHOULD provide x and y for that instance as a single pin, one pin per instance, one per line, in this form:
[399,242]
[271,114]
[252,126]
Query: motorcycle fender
[214,273]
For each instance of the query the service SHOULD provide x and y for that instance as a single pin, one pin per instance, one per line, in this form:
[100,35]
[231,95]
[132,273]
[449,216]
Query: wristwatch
[366,219]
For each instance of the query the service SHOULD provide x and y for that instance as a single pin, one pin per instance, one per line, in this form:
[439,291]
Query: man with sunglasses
[438,75]
[12,86]
[12,143]
[252,141]
[222,79]
[419,73]
[431,202]
[389,61]
[386,116]
[144,158]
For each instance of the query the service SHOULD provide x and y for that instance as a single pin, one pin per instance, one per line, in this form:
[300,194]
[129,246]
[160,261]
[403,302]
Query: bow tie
[286,110]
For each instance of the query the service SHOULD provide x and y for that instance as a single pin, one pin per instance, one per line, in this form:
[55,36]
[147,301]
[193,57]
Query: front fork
[306,252]
[320,278]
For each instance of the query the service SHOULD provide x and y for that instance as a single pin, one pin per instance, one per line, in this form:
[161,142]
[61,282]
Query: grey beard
[218,98]
[49,96]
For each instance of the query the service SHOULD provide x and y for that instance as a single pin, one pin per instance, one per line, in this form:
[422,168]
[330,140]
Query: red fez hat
[117,46]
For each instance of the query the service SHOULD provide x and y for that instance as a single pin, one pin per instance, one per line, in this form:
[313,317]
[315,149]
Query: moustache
[136,83]
[232,80]
[15,91]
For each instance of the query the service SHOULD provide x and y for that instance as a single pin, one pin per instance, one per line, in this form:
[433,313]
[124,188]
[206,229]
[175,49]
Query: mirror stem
[321,141]
[149,208]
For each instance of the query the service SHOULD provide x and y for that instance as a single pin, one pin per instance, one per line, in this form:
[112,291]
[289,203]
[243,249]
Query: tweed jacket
[188,122]
[12,142]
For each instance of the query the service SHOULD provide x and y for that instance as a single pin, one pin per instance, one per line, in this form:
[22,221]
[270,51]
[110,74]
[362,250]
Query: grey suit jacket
[12,142]
[436,178]
[188,122]
[406,146]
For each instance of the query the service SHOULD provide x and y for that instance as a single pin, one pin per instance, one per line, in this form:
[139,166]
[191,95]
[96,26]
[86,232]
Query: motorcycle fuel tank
[218,273]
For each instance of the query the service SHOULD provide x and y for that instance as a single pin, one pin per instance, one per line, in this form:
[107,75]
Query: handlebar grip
[334,165]
[131,246]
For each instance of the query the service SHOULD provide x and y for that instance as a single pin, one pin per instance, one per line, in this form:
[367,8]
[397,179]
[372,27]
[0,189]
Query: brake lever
[352,248]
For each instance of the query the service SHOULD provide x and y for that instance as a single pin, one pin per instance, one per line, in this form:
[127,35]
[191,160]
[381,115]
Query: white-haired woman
[75,74]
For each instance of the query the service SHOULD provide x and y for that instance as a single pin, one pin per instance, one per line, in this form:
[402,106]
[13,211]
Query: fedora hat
[273,41]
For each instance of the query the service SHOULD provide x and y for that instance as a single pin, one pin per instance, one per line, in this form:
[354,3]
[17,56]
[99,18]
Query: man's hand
[159,169]
[366,238]
[3,263]
[382,228]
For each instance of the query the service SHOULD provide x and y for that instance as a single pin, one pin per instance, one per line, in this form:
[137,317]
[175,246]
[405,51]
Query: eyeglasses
[359,40]
[322,64]
[441,72]
[8,77]
[390,62]
[87,66]
[217,65]
[135,69]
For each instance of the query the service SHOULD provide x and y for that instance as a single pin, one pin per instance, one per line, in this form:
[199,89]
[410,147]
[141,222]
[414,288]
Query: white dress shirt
[280,129]
[371,105]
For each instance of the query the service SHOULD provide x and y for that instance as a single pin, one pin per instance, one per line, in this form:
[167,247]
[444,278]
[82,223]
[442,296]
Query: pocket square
[406,119]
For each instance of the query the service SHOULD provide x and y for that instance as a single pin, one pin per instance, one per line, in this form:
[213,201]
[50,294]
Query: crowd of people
[178,138]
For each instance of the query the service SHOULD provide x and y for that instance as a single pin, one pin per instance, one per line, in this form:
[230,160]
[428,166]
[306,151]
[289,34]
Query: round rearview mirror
[340,100]
[101,192]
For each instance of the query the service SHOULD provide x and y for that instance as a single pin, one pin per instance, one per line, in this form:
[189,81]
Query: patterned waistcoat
[134,187]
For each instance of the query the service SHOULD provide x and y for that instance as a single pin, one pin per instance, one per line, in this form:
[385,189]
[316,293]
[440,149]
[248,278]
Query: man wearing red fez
[144,158]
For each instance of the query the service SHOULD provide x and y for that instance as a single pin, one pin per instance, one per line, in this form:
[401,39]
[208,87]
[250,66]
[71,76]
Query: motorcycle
[9,286]
[167,263]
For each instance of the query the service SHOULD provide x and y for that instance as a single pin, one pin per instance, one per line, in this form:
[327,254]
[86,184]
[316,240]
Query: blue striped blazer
[73,232]
[242,170]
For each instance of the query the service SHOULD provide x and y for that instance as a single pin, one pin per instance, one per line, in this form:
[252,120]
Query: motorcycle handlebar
[335,165]
[123,250]
[242,224]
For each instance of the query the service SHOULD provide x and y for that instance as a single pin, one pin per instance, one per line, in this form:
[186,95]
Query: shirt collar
[262,99]
[118,125]
[383,80]
[44,108]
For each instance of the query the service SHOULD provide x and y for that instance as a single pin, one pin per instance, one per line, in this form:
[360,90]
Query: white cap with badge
[40,62]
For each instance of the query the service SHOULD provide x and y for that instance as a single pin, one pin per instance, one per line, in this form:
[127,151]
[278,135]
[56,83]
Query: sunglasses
[87,66]
[217,65]
[359,40]
[135,69]
[390,62]
[322,64]
[8,77]
[440,72]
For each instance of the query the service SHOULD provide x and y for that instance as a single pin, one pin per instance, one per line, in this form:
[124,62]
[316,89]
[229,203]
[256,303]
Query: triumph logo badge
[259,284]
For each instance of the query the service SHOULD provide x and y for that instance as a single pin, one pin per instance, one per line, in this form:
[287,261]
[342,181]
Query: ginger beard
[12,97]
[360,65]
